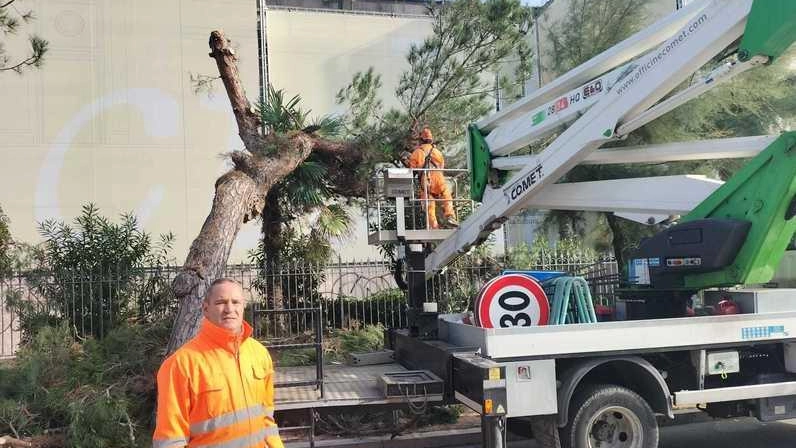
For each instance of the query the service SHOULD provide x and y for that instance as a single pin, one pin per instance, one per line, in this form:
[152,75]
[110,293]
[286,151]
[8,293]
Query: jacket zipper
[243,386]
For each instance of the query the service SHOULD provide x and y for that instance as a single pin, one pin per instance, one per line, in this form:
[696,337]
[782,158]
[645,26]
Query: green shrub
[5,246]
[442,415]
[294,358]
[367,339]
[337,346]
[95,276]
[383,307]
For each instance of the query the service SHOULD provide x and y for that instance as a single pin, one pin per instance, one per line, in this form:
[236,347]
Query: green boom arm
[764,193]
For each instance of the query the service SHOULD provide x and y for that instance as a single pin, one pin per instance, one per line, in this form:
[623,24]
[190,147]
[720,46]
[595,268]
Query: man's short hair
[220,281]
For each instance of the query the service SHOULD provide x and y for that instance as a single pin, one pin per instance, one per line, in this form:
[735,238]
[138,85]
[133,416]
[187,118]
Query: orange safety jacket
[217,390]
[427,152]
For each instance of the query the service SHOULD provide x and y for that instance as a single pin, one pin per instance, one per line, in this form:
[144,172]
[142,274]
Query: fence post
[340,288]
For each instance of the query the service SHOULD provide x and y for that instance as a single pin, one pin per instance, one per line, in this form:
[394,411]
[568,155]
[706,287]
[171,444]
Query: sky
[534,2]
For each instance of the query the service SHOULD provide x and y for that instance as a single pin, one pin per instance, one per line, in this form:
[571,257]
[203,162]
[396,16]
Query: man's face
[224,306]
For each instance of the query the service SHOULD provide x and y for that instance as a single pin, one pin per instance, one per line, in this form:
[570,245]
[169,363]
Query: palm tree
[304,193]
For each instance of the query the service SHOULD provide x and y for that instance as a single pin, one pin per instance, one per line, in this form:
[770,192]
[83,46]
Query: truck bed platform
[343,386]
[625,337]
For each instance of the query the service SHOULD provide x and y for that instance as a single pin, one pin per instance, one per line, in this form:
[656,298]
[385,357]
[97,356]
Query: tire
[607,416]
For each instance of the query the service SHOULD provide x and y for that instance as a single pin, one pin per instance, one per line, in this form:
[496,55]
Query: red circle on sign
[501,286]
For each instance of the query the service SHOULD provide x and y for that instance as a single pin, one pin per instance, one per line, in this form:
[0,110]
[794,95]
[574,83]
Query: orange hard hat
[425,134]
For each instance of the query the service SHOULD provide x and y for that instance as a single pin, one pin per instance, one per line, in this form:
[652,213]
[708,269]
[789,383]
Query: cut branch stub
[248,121]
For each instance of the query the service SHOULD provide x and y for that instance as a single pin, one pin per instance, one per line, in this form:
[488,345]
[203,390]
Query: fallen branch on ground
[10,442]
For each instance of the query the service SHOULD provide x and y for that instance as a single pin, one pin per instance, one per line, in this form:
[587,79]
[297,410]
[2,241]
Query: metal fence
[348,295]
[91,301]
[456,287]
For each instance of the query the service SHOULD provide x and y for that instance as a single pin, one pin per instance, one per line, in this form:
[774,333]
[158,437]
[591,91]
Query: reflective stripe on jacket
[217,390]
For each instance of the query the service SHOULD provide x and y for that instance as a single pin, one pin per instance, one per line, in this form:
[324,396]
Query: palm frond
[299,117]
[302,198]
[306,187]
[280,114]
[310,172]
[318,248]
[328,126]
[334,221]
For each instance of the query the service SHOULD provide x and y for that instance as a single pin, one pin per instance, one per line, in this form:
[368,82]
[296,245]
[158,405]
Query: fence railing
[348,294]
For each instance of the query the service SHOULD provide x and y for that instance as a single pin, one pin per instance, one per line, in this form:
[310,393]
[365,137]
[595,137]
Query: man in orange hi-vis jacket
[432,183]
[218,389]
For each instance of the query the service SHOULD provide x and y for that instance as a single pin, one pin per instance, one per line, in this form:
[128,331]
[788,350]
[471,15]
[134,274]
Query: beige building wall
[112,117]
[317,54]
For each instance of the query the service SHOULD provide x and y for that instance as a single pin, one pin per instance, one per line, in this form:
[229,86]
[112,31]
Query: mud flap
[545,431]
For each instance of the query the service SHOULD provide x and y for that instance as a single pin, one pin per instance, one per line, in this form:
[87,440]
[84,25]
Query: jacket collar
[222,337]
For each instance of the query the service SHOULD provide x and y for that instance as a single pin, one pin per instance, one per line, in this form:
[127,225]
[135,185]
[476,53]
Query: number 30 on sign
[511,300]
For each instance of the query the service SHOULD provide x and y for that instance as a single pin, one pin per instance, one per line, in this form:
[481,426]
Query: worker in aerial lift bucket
[433,185]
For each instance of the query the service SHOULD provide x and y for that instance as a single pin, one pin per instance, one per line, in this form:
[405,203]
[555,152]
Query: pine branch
[39,48]
[18,67]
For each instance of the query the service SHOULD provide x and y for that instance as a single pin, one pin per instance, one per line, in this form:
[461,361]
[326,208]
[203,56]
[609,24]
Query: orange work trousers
[433,184]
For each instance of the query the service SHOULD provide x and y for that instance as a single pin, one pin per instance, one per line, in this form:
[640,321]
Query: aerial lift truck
[605,384]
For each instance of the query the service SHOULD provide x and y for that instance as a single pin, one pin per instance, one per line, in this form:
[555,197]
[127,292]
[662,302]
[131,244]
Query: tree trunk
[209,252]
[618,241]
[272,243]
[240,194]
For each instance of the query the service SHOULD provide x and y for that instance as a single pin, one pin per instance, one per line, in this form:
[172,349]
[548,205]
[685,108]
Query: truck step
[412,383]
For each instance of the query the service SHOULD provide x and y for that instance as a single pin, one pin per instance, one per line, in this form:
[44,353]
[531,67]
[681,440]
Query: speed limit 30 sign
[512,300]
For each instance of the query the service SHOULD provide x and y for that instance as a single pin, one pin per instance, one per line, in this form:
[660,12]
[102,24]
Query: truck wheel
[610,417]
